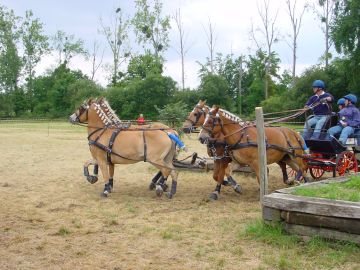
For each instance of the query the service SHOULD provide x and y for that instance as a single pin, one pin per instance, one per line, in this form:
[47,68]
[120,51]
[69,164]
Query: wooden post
[262,153]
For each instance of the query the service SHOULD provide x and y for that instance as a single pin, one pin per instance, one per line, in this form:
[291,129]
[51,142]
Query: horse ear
[216,108]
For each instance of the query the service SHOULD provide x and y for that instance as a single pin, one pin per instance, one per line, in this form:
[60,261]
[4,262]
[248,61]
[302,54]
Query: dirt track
[51,218]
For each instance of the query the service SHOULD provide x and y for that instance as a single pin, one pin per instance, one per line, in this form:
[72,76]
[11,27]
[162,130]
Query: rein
[277,120]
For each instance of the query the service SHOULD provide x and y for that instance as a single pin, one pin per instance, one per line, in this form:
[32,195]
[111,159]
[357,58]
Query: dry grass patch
[51,218]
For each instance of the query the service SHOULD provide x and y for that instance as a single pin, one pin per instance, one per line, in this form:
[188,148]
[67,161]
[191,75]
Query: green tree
[173,114]
[144,65]
[141,96]
[35,45]
[186,96]
[345,32]
[254,80]
[325,12]
[215,89]
[19,101]
[67,47]
[116,37]
[10,61]
[83,89]
[150,27]
[231,69]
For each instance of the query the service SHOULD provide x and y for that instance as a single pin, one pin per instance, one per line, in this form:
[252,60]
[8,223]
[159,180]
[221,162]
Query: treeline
[142,87]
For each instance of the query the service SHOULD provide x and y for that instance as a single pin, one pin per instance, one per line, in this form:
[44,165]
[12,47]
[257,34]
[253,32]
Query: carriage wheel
[316,173]
[346,162]
[291,173]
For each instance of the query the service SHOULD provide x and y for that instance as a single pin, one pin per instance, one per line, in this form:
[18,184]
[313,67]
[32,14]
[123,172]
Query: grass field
[347,191]
[51,218]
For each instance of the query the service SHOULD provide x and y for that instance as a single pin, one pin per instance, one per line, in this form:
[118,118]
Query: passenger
[322,109]
[349,119]
[177,140]
[141,119]
[341,103]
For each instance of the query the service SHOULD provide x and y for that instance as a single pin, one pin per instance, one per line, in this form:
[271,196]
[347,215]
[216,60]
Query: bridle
[198,113]
[81,110]
[216,121]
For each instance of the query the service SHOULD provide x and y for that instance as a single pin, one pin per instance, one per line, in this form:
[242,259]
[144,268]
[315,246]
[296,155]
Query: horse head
[81,113]
[211,127]
[196,117]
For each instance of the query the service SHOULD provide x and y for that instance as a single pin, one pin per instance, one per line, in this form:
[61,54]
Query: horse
[284,146]
[158,179]
[218,149]
[121,144]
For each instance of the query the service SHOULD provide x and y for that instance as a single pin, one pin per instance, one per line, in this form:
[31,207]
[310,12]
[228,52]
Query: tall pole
[240,79]
[261,153]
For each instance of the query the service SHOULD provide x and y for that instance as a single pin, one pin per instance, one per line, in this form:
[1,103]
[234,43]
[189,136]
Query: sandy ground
[52,218]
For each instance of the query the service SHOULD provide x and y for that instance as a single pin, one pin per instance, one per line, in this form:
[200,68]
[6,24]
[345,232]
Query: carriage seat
[331,121]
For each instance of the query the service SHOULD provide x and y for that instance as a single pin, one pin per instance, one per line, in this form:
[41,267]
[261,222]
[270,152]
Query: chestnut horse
[284,145]
[217,149]
[158,181]
[122,144]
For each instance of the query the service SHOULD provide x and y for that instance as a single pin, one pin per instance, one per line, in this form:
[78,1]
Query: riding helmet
[351,97]
[318,84]
[341,101]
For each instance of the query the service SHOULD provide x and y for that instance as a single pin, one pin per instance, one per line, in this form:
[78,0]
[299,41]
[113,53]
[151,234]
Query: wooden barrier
[307,216]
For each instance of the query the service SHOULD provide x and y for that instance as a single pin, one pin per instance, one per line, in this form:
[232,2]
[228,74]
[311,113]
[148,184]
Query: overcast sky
[231,19]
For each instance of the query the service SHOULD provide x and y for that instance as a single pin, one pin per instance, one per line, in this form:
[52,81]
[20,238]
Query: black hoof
[169,195]
[92,179]
[159,191]
[152,186]
[104,194]
[213,196]
[238,189]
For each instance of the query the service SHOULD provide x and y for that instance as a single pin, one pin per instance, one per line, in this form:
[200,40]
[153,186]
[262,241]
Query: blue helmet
[341,101]
[351,97]
[318,84]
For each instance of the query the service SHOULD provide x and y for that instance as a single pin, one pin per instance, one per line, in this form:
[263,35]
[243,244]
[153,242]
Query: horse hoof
[152,186]
[289,182]
[159,191]
[169,195]
[238,189]
[213,196]
[104,194]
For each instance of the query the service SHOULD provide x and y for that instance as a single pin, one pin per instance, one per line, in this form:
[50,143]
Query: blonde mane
[231,116]
[102,115]
[110,113]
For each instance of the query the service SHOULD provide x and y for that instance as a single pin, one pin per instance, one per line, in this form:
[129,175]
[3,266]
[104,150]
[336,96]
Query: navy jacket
[350,115]
[321,109]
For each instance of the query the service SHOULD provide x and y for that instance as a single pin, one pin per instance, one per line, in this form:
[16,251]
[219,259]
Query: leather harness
[108,149]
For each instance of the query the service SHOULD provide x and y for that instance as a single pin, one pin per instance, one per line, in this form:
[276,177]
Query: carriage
[327,154]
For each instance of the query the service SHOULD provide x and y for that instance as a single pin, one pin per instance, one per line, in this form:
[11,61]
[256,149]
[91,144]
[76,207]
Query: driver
[321,101]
